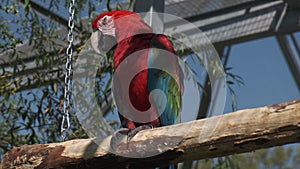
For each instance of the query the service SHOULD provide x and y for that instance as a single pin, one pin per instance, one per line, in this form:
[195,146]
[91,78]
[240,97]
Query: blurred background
[257,41]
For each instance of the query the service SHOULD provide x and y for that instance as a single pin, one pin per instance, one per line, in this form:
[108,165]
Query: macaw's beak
[101,42]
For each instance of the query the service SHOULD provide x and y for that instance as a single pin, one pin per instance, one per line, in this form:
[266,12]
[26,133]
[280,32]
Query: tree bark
[237,132]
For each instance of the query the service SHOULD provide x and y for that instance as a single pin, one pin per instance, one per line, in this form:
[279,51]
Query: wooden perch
[238,132]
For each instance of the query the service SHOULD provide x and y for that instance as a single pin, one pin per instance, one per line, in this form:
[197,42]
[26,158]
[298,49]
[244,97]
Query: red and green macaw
[127,33]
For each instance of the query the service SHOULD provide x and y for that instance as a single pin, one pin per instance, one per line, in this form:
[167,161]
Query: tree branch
[238,132]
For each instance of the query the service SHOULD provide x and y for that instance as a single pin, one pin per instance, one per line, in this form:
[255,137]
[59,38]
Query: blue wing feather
[158,79]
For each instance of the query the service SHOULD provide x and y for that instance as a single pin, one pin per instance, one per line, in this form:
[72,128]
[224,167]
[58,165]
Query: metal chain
[65,124]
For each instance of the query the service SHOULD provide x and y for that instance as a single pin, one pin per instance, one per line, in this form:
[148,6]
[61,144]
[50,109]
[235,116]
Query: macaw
[125,33]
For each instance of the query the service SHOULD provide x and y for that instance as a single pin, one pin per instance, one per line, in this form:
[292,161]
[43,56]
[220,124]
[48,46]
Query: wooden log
[238,132]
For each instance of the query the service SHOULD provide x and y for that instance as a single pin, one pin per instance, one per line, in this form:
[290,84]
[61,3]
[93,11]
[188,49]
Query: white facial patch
[107,26]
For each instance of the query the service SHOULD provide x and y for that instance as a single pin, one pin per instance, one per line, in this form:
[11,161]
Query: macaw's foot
[118,136]
[134,131]
[125,133]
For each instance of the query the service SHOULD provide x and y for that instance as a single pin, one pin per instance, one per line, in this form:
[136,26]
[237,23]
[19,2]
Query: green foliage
[232,80]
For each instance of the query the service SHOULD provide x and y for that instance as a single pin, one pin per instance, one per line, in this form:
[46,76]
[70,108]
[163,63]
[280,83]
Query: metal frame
[292,57]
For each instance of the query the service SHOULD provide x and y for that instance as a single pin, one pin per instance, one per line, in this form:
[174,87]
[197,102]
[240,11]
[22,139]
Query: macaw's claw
[118,136]
[125,133]
[133,132]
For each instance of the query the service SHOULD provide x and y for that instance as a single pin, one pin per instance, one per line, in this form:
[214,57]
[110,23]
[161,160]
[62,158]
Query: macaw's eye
[104,20]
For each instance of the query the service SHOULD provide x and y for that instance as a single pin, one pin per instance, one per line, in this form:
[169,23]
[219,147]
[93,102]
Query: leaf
[229,82]
[227,68]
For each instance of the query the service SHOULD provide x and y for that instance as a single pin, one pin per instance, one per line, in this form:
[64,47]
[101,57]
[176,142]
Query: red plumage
[133,35]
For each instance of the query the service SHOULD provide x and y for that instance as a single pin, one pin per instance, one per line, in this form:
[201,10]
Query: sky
[265,72]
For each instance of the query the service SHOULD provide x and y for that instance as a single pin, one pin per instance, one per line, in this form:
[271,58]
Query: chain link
[65,124]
